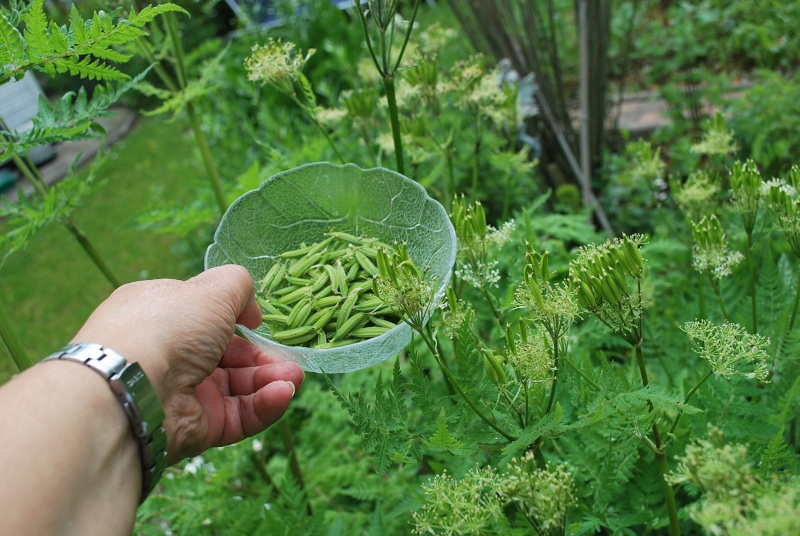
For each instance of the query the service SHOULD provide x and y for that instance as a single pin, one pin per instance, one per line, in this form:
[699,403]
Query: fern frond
[149,13]
[36,35]
[547,425]
[26,219]
[73,118]
[384,424]
[84,48]
[777,457]
[11,45]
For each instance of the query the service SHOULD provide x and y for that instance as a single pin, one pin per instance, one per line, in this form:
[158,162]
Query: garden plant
[570,381]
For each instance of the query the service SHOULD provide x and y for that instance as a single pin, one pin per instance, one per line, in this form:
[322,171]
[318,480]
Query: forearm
[67,446]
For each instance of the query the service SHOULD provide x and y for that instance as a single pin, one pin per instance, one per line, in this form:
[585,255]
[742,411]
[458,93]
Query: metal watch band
[139,401]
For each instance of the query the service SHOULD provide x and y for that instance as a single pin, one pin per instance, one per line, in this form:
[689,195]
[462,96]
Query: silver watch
[139,400]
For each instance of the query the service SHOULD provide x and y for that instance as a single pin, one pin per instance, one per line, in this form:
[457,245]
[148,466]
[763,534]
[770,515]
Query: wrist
[138,399]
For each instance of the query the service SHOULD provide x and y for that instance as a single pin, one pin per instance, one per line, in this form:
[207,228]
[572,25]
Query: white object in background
[19,102]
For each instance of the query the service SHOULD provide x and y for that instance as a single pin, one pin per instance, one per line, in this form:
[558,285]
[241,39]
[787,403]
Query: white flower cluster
[480,274]
[718,261]
[728,347]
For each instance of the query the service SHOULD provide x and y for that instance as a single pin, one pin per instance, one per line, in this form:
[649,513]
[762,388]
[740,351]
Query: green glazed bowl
[300,205]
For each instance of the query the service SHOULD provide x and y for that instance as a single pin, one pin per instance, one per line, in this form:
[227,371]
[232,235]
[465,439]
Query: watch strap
[139,400]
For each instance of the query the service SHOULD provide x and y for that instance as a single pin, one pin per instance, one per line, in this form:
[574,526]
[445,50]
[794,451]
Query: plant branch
[686,400]
[13,342]
[454,382]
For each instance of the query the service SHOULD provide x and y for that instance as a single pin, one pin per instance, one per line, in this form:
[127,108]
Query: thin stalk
[686,400]
[701,298]
[391,99]
[97,259]
[796,302]
[555,375]
[476,156]
[450,378]
[40,187]
[157,67]
[199,136]
[752,268]
[661,457]
[13,342]
[208,159]
[717,293]
[407,37]
[294,464]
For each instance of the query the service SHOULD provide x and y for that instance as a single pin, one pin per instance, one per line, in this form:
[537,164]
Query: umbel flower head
[531,355]
[553,305]
[710,253]
[278,63]
[697,196]
[729,349]
[717,140]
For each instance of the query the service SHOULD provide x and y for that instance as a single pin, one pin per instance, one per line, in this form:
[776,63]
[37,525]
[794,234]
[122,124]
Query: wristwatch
[138,398]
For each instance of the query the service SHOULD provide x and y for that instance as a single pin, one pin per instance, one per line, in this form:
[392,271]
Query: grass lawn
[51,287]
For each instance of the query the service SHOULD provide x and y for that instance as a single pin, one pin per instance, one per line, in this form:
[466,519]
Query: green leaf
[532,433]
[151,12]
[36,34]
[11,45]
[442,439]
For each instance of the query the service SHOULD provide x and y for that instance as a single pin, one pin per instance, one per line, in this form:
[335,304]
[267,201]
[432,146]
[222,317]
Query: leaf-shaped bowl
[302,204]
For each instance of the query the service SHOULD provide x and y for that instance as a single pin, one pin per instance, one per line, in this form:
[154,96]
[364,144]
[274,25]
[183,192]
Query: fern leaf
[442,439]
[78,25]
[776,456]
[11,45]
[36,34]
[87,68]
[546,424]
[151,12]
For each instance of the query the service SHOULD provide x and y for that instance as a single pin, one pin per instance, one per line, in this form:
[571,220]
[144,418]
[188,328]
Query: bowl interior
[300,205]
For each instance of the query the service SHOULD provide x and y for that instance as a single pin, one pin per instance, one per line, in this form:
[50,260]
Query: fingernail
[294,390]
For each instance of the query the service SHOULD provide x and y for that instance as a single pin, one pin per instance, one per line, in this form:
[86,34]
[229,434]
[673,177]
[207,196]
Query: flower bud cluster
[402,286]
[710,253]
[554,306]
[746,185]
[782,197]
[697,196]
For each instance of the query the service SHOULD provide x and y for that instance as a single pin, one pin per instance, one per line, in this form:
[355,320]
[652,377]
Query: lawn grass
[51,287]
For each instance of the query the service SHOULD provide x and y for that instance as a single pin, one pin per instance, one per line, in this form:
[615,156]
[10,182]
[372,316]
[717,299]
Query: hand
[216,388]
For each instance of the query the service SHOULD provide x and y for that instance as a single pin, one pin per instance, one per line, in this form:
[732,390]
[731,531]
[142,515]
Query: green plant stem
[407,36]
[796,302]
[391,99]
[32,174]
[13,342]
[88,247]
[717,293]
[555,375]
[194,120]
[208,160]
[452,379]
[752,268]
[294,464]
[28,173]
[686,400]
[701,297]
[476,157]
[661,457]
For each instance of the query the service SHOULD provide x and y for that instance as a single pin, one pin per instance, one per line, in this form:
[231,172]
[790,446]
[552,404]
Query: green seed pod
[299,314]
[295,336]
[351,323]
[366,264]
[368,332]
[494,370]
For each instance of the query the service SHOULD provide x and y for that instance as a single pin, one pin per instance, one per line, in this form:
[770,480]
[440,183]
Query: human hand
[216,388]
